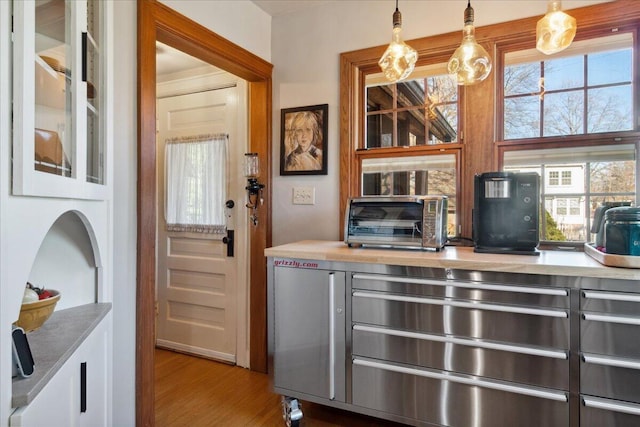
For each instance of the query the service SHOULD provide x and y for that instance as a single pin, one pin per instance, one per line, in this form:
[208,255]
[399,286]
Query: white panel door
[196,279]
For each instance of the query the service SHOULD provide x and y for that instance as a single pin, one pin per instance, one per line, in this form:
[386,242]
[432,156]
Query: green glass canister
[622,231]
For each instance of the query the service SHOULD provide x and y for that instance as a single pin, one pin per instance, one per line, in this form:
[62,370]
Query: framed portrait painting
[303,133]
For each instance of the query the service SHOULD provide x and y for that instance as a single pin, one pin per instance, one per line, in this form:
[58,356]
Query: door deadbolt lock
[228,240]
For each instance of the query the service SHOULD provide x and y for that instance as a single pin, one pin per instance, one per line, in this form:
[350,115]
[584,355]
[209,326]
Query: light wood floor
[195,392]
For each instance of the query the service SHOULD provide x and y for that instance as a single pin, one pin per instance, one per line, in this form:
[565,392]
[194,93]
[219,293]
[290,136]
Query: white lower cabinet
[77,395]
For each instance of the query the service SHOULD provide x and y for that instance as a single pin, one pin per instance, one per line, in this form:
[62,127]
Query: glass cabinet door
[53,95]
[59,103]
[92,64]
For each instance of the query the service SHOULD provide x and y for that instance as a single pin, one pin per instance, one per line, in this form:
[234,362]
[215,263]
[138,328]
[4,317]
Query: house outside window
[419,111]
[571,118]
[554,178]
[420,114]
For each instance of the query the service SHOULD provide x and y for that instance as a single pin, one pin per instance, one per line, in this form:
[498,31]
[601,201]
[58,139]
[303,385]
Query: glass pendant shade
[556,30]
[470,62]
[399,59]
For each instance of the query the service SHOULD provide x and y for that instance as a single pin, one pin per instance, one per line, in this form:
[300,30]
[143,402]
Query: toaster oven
[397,221]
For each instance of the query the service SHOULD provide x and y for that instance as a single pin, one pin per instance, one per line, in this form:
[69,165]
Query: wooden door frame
[158,22]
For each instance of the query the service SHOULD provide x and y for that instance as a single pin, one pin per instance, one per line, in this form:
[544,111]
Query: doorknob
[230,204]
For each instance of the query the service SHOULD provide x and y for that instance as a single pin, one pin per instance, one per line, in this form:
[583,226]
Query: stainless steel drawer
[598,412]
[544,327]
[448,399]
[610,377]
[610,334]
[620,303]
[531,295]
[504,361]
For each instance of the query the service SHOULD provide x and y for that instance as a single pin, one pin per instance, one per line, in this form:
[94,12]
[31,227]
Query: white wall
[66,243]
[5,164]
[306,49]
[124,212]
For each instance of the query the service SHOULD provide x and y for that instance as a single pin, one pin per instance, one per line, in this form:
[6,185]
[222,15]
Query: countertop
[564,263]
[52,345]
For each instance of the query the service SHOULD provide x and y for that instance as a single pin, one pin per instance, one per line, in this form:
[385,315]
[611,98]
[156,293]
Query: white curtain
[195,182]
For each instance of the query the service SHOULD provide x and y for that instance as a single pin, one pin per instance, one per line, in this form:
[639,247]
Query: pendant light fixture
[470,62]
[398,60]
[555,30]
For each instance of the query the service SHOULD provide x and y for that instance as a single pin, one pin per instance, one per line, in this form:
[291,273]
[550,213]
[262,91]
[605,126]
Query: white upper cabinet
[59,142]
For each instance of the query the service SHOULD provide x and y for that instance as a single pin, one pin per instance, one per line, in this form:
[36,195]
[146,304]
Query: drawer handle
[611,296]
[627,408]
[490,287]
[554,354]
[611,319]
[456,378]
[610,361]
[477,306]
[332,338]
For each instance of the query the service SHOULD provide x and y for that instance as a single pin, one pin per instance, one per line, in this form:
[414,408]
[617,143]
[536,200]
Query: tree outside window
[549,101]
[588,90]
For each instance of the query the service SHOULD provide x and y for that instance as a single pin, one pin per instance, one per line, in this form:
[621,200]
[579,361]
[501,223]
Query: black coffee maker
[506,212]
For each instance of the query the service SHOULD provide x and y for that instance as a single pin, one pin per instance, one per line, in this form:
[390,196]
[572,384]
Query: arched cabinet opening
[68,261]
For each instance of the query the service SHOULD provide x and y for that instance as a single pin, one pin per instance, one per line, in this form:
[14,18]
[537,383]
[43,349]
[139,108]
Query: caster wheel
[291,411]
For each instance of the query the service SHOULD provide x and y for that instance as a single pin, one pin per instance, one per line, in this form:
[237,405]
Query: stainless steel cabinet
[309,332]
[610,359]
[442,347]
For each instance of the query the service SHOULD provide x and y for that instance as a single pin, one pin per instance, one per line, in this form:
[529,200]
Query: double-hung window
[410,144]
[570,117]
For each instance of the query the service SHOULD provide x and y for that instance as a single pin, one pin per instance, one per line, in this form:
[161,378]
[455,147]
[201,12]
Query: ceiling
[170,60]
[283,7]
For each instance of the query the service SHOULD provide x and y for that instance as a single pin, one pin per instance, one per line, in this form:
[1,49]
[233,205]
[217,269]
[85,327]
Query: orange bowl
[34,314]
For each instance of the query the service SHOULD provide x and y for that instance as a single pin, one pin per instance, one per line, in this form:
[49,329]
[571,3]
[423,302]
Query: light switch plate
[304,195]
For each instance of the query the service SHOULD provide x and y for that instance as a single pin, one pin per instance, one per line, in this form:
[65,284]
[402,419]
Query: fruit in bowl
[37,306]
